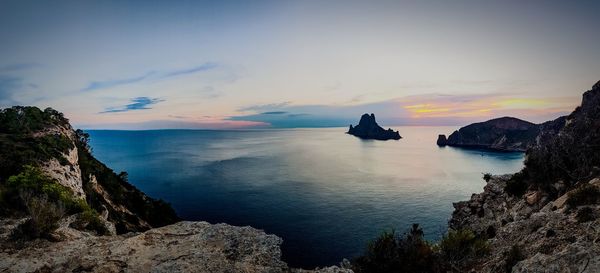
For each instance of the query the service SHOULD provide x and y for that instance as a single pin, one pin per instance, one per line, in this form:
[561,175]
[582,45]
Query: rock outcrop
[368,128]
[501,134]
[30,136]
[441,141]
[182,247]
[542,231]
[547,233]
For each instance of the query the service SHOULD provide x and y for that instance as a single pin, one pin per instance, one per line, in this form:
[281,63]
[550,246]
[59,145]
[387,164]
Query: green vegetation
[31,181]
[392,253]
[44,217]
[460,245]
[487,177]
[27,119]
[89,219]
[412,253]
[517,184]
[18,145]
[585,195]
[45,201]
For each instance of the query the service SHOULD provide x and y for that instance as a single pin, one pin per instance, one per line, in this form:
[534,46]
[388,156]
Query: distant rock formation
[368,128]
[501,134]
[442,141]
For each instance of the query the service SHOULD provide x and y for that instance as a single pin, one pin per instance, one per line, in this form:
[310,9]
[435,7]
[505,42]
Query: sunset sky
[239,64]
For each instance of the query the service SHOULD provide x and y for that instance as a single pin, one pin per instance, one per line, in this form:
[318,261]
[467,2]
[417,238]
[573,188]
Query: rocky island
[501,134]
[368,128]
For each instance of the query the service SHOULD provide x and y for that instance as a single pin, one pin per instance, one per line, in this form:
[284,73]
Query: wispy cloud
[112,83]
[428,109]
[12,83]
[192,70]
[177,124]
[139,103]
[96,85]
[265,107]
[17,67]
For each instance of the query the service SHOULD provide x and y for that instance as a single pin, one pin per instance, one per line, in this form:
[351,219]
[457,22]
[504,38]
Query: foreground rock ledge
[181,247]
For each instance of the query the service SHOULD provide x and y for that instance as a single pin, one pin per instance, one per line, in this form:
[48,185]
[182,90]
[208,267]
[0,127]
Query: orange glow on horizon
[484,107]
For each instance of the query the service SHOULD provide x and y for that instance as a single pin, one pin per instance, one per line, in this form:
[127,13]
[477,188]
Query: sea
[326,193]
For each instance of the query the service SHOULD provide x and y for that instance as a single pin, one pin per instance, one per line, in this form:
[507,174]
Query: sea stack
[368,128]
[442,141]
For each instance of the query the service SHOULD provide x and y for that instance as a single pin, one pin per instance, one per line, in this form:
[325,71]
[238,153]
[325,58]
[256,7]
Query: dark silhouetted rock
[368,128]
[573,153]
[442,141]
[503,134]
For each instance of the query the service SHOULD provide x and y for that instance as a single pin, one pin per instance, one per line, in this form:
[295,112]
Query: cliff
[46,141]
[64,211]
[546,217]
[502,134]
[368,128]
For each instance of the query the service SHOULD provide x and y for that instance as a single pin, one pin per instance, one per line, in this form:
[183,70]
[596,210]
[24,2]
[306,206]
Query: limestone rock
[533,197]
[181,247]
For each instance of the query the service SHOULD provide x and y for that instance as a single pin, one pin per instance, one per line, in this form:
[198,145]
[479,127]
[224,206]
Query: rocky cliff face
[503,134]
[368,128]
[30,136]
[554,225]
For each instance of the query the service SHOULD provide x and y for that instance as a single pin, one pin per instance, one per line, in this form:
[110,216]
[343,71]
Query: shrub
[585,214]
[513,256]
[30,188]
[33,181]
[487,177]
[585,195]
[90,220]
[460,245]
[517,184]
[44,216]
[393,253]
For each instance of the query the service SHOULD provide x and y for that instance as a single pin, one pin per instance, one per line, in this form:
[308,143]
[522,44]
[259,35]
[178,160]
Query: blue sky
[238,64]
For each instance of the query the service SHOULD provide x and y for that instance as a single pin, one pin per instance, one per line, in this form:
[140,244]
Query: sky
[282,64]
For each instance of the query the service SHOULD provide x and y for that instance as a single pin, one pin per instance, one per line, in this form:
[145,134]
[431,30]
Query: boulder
[533,197]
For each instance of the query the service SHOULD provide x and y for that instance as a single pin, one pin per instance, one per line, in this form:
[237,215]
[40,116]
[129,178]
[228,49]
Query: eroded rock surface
[181,247]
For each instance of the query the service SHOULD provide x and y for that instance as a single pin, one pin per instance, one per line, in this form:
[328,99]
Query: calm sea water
[324,192]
